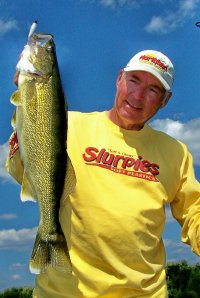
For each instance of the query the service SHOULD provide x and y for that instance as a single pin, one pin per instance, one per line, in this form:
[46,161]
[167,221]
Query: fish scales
[41,146]
[41,125]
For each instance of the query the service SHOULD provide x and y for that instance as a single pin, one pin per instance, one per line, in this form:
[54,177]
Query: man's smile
[133,105]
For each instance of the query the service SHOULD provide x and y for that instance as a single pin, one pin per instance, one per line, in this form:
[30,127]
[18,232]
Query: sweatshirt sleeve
[186,205]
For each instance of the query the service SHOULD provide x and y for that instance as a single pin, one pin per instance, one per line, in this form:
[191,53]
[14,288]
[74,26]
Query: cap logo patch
[150,59]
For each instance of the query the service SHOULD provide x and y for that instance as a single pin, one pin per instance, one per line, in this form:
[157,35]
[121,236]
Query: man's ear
[166,99]
[119,76]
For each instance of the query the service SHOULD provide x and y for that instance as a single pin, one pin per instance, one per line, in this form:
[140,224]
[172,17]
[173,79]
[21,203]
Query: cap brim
[155,73]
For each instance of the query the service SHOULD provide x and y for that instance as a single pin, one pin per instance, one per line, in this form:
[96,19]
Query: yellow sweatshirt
[114,220]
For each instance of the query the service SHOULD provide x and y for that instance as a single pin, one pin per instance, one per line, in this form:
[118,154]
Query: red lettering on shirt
[121,164]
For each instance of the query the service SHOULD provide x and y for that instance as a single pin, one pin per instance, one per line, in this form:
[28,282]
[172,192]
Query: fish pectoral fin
[16,98]
[13,119]
[27,191]
[14,165]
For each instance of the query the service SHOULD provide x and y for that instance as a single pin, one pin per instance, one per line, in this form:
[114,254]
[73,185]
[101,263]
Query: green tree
[194,282]
[27,292]
[17,293]
[183,281]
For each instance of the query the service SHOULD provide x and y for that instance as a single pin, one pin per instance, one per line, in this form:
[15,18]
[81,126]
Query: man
[126,173]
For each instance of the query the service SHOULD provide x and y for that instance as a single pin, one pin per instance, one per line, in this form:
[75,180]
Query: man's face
[139,96]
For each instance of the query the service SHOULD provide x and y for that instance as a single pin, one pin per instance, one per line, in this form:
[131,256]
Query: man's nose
[138,92]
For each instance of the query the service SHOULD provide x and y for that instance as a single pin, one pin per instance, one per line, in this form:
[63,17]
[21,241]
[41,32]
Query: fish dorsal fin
[27,191]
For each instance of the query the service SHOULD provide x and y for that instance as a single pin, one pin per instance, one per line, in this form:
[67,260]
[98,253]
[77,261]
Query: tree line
[183,281]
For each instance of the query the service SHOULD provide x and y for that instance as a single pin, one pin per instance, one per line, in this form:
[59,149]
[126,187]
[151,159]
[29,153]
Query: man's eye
[154,90]
[133,80]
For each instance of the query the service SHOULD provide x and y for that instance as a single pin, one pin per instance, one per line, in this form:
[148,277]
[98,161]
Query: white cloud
[177,247]
[112,4]
[4,150]
[188,133]
[170,243]
[17,266]
[173,14]
[167,22]
[16,277]
[108,3]
[187,7]
[177,250]
[121,3]
[8,216]
[19,240]
[6,26]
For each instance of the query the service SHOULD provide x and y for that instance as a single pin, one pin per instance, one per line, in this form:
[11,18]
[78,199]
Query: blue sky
[94,39]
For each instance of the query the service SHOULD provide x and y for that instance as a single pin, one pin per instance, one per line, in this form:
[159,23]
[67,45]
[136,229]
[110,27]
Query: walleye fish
[40,126]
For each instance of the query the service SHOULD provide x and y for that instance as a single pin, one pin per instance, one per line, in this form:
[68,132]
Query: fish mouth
[40,39]
[29,70]
[29,74]
[35,74]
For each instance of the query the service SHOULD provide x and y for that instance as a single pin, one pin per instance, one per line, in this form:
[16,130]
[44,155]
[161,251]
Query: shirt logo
[121,164]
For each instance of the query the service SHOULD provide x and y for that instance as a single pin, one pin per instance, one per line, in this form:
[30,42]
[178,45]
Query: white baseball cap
[155,63]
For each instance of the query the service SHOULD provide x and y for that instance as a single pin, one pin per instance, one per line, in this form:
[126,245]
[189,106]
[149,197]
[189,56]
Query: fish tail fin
[39,260]
[52,251]
[59,255]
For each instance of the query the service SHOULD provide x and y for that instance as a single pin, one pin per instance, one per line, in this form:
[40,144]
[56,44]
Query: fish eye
[50,49]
